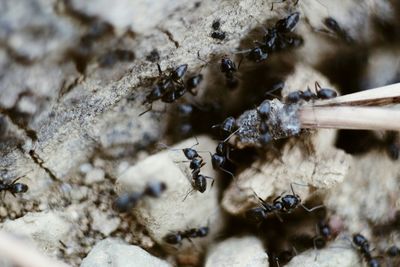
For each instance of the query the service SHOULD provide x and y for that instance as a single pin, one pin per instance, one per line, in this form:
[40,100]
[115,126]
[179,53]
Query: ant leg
[144,112]
[159,69]
[315,247]
[312,209]
[317,86]
[291,186]
[182,161]
[213,180]
[226,171]
[277,262]
[278,216]
[240,62]
[190,191]
[279,196]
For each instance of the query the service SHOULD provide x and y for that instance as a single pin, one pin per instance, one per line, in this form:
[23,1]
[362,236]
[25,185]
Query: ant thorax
[283,122]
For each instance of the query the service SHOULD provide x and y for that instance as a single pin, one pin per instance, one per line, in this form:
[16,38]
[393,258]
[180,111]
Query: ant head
[194,81]
[288,24]
[257,54]
[294,97]
[202,231]
[222,148]
[256,214]
[290,201]
[359,240]
[227,65]
[264,109]
[190,153]
[179,72]
[217,161]
[393,251]
[19,188]
[173,239]
[126,202]
[155,189]
[228,125]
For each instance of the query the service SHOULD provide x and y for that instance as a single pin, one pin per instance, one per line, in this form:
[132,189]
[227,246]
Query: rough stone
[104,223]
[94,176]
[172,212]
[247,251]
[115,253]
[35,227]
[335,255]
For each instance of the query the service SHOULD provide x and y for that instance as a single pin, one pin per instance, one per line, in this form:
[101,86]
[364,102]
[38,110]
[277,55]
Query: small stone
[94,176]
[169,213]
[335,255]
[85,168]
[115,253]
[245,251]
[3,212]
[36,228]
[103,222]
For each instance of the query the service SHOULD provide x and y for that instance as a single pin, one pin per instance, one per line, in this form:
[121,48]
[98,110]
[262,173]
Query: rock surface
[244,251]
[115,253]
[176,209]
[328,257]
[35,227]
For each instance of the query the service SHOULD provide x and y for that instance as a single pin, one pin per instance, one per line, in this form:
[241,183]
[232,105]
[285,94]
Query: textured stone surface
[172,212]
[115,253]
[44,230]
[238,252]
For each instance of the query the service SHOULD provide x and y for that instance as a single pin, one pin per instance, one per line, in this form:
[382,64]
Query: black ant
[227,127]
[169,87]
[276,38]
[13,187]
[393,251]
[221,155]
[321,93]
[177,238]
[263,111]
[282,204]
[324,93]
[228,67]
[198,181]
[217,33]
[362,245]
[324,234]
[127,201]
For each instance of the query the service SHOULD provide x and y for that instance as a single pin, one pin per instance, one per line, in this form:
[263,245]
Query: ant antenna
[179,149]
[317,85]
[273,90]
